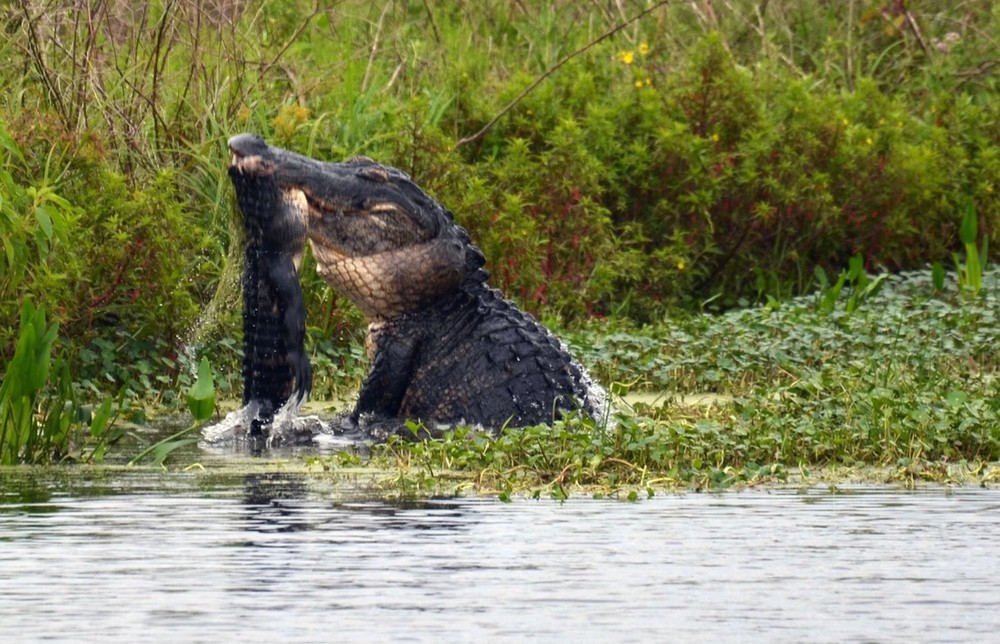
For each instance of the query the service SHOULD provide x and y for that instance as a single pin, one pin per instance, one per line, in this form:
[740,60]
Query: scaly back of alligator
[483,361]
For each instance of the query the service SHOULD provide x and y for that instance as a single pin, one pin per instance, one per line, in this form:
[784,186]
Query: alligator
[275,365]
[445,348]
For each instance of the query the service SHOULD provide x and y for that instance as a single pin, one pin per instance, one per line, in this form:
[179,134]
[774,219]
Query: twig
[430,16]
[618,461]
[915,28]
[600,6]
[296,85]
[971,74]
[193,65]
[374,51]
[43,72]
[392,79]
[551,70]
[159,64]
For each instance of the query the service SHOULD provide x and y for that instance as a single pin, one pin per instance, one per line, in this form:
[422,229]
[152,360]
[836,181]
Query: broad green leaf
[99,421]
[201,397]
[164,449]
[957,397]
[44,220]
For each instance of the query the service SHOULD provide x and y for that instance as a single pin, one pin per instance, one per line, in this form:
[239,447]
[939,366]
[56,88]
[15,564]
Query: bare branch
[915,28]
[374,49]
[430,16]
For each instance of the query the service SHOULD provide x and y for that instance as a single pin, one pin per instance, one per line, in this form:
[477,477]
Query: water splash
[287,427]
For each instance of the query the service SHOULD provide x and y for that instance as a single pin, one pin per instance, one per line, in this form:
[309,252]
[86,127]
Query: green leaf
[855,268]
[8,247]
[970,226]
[937,276]
[99,422]
[163,449]
[821,279]
[44,221]
[956,398]
[8,144]
[201,397]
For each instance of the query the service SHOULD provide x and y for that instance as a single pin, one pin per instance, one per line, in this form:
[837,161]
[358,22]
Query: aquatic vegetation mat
[903,388]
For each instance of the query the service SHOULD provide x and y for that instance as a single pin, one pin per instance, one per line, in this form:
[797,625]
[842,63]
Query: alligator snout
[245,145]
[247,153]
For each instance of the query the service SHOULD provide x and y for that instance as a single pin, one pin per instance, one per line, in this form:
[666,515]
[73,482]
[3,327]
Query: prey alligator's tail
[275,366]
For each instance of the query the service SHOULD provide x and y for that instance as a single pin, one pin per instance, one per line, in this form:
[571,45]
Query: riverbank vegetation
[907,382]
[662,195]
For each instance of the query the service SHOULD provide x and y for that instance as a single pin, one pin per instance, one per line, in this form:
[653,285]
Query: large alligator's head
[376,236]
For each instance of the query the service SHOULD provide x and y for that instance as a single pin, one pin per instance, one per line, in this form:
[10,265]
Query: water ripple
[296,565]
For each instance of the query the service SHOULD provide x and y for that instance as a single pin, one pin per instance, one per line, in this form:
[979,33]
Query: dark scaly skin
[445,348]
[275,366]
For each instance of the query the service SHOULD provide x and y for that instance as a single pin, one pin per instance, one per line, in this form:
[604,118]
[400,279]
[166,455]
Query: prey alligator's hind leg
[291,306]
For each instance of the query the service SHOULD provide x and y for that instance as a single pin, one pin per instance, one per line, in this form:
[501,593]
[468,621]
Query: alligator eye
[375,173]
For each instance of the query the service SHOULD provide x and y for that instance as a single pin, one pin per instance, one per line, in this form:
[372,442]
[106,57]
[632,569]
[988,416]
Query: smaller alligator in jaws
[445,348]
[275,366]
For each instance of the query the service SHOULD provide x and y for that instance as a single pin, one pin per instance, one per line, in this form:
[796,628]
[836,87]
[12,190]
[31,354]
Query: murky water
[282,557]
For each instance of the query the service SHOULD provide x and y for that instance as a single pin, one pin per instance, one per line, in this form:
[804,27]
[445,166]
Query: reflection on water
[278,557]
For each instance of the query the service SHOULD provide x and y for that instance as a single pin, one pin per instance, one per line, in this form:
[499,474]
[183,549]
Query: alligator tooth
[383,207]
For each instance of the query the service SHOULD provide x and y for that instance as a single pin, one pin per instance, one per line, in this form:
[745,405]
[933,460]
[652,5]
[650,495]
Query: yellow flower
[681,265]
[638,83]
[289,118]
[869,141]
[243,115]
[715,137]
[649,82]
[643,49]
[846,122]
[627,57]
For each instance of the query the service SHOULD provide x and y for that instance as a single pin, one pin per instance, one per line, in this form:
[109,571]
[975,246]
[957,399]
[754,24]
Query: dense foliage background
[708,155]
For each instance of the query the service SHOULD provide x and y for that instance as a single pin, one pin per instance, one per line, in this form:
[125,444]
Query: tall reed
[39,420]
